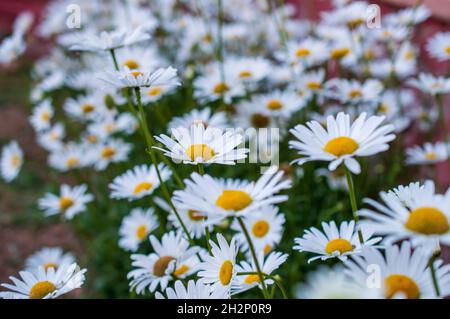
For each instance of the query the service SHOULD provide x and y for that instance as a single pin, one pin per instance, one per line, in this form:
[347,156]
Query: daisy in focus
[11,161]
[136,227]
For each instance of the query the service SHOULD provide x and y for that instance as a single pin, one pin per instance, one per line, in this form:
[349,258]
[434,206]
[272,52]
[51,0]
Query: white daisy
[126,78]
[308,53]
[51,139]
[11,48]
[248,70]
[428,154]
[334,242]
[49,257]
[194,290]
[68,157]
[136,227]
[311,83]
[431,84]
[70,202]
[341,141]
[278,103]
[87,107]
[11,161]
[204,116]
[354,92]
[439,46]
[138,182]
[45,284]
[110,151]
[41,116]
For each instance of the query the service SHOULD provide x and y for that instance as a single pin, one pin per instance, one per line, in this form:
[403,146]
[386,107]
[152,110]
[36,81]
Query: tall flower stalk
[352,195]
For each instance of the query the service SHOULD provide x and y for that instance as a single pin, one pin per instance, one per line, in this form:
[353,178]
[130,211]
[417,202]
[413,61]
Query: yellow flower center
[339,53]
[302,52]
[109,127]
[144,186]
[45,116]
[181,270]
[431,156]
[312,85]
[355,23]
[342,145]
[200,122]
[274,104]
[250,279]
[395,284]
[72,162]
[383,108]
[208,38]
[41,289]
[353,94]
[87,108]
[200,150]
[47,266]
[155,91]
[428,221]
[447,50]
[195,215]
[267,249]
[245,74]
[131,64]
[221,88]
[409,55]
[260,228]
[339,244]
[65,203]
[226,272]
[233,200]
[160,266]
[369,54]
[16,160]
[141,232]
[92,139]
[108,152]
[136,73]
[260,120]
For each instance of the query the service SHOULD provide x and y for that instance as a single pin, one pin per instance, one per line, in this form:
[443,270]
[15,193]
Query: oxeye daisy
[194,290]
[409,16]
[228,197]
[431,84]
[439,46]
[354,92]
[219,269]
[11,161]
[136,227]
[110,151]
[12,48]
[49,257]
[138,182]
[279,104]
[41,116]
[310,52]
[413,212]
[126,78]
[336,179]
[70,202]
[334,242]
[265,227]
[248,70]
[428,154]
[198,144]
[391,106]
[138,58]
[45,284]
[204,116]
[51,139]
[156,92]
[268,265]
[310,84]
[341,141]
[85,107]
[166,262]
[68,157]
[402,273]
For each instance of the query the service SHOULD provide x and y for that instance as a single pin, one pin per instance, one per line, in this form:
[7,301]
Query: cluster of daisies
[104,111]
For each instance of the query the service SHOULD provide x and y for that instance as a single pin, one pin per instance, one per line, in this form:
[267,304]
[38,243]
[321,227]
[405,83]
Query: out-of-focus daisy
[402,273]
[138,182]
[310,83]
[336,179]
[248,70]
[11,48]
[334,242]
[268,265]
[265,227]
[41,116]
[204,116]
[85,107]
[49,257]
[413,212]
[110,151]
[51,139]
[11,161]
[431,84]
[333,283]
[136,227]
[138,58]
[219,270]
[156,92]
[45,284]
[341,141]
[354,92]
[394,105]
[428,154]
[163,265]
[70,202]
[228,197]
[68,157]
[194,290]
[279,104]
[409,16]
[198,144]
[439,46]
[310,52]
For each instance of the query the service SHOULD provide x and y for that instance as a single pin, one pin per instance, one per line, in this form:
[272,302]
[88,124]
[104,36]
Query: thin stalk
[113,55]
[220,57]
[201,171]
[351,192]
[254,256]
[433,275]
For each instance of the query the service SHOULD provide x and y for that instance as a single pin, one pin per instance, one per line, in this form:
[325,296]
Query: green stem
[201,171]
[351,192]
[275,280]
[254,256]
[433,275]
[113,55]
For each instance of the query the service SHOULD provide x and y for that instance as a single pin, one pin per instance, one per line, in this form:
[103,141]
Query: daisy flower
[354,92]
[49,257]
[135,228]
[138,182]
[265,229]
[11,48]
[204,116]
[138,58]
[45,284]
[219,270]
[51,139]
[71,201]
[336,179]
[228,197]
[268,265]
[409,16]
[110,151]
[279,103]
[85,107]
[341,141]
[334,242]
[194,290]
[11,161]
[198,144]
[308,53]
[428,154]
[392,105]
[68,157]
[156,92]
[311,83]
[248,69]
[439,46]
[41,116]
[166,262]
[403,274]
[413,212]
[431,84]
